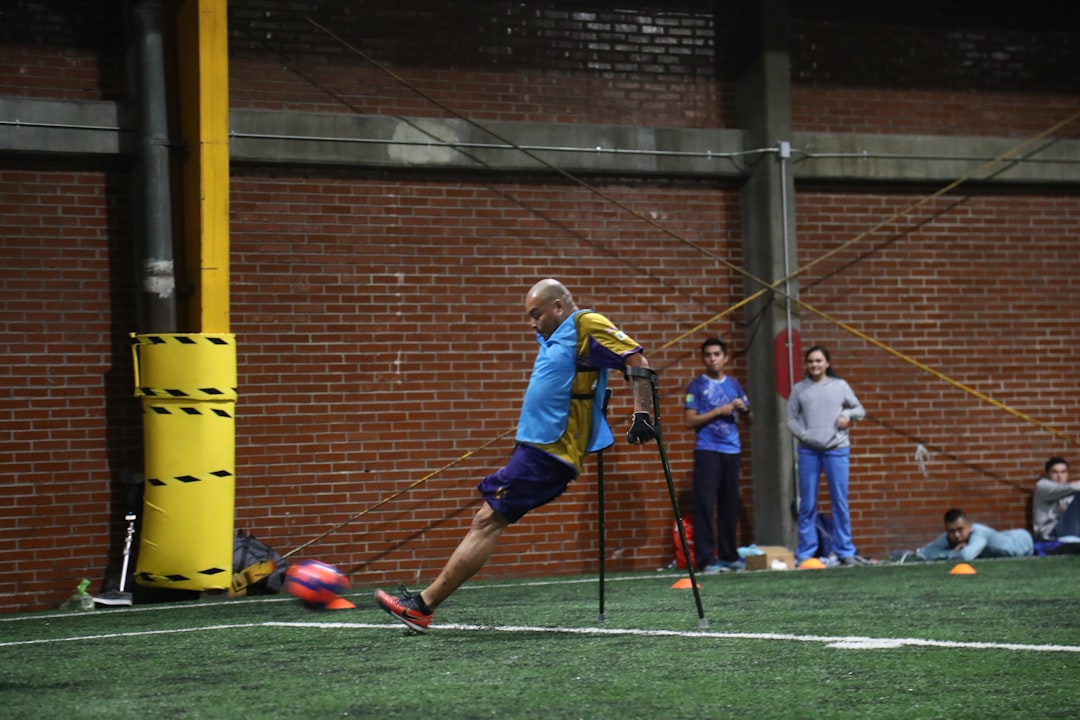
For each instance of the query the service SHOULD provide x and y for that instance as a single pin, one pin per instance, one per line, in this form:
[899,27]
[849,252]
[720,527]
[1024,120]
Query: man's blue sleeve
[937,550]
[975,545]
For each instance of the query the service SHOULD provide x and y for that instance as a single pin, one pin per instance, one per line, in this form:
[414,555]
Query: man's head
[1057,469]
[548,303]
[957,527]
[714,356]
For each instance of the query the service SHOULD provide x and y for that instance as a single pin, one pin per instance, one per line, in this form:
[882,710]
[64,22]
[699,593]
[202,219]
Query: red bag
[688,527]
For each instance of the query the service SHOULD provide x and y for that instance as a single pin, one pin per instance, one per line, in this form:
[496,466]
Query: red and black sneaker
[407,608]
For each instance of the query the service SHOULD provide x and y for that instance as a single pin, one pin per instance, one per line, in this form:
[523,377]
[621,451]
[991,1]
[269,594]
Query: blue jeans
[834,463]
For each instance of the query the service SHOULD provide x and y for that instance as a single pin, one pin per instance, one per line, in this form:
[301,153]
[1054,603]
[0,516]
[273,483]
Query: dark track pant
[716,492]
[1068,525]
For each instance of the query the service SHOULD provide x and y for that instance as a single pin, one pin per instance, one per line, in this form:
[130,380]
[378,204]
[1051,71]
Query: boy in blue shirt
[713,402]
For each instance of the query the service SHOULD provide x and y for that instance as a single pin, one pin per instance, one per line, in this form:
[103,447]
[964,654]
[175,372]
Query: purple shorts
[531,478]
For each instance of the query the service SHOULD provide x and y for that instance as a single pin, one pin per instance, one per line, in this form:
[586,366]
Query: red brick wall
[651,64]
[68,423]
[63,49]
[976,288]
[959,68]
[379,319]
[383,336]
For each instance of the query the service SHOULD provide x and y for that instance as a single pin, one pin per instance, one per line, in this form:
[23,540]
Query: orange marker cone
[811,564]
[962,569]
[339,603]
[683,584]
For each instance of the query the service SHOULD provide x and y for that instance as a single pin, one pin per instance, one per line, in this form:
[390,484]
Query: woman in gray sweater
[820,410]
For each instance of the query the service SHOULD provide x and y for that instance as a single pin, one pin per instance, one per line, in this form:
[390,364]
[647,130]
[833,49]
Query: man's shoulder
[1045,488]
[591,321]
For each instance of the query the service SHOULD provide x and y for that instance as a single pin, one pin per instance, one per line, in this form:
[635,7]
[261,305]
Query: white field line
[140,633]
[154,607]
[849,642]
[839,642]
[162,607]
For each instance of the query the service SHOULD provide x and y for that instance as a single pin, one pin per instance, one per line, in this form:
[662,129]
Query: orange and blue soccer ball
[315,584]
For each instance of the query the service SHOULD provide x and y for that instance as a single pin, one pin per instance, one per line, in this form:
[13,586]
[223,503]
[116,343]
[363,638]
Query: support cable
[399,493]
[1009,155]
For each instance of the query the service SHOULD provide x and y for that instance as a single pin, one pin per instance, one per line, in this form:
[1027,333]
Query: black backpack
[258,569]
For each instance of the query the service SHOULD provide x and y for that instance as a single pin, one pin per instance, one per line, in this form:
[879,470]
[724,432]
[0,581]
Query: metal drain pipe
[155,261]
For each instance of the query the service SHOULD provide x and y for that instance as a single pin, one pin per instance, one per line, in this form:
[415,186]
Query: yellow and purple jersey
[562,412]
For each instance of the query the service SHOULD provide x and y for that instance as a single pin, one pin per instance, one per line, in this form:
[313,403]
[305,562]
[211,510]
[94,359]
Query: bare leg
[469,556]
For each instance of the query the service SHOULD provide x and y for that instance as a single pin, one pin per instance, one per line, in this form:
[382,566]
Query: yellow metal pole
[204,115]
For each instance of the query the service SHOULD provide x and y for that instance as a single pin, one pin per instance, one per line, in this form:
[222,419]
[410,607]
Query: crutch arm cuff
[633,371]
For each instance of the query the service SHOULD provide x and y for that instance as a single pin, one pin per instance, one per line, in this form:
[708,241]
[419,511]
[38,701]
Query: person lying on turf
[965,540]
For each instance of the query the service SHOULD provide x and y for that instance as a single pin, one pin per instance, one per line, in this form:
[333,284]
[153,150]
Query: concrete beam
[455,144]
[922,158]
[763,98]
[52,128]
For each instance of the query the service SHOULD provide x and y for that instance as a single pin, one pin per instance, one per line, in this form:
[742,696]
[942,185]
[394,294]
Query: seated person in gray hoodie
[965,540]
[1055,512]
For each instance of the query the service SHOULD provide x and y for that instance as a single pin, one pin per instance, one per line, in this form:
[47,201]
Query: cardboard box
[771,552]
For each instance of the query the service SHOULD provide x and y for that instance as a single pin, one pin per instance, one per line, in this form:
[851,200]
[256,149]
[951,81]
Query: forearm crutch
[654,382]
[600,509]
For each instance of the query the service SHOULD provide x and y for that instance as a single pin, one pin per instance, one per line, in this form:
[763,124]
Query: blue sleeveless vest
[546,408]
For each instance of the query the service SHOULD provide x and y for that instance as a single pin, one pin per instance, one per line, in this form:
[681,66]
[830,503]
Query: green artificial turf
[907,641]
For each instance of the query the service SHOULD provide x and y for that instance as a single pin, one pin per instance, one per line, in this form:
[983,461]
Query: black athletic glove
[641,430]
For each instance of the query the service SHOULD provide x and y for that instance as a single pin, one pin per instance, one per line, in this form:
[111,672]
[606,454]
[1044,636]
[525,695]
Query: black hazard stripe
[186,479]
[166,410]
[180,340]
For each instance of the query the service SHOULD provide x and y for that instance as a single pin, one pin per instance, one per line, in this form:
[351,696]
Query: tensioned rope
[399,493]
[775,286]
[766,287]
[1009,155]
